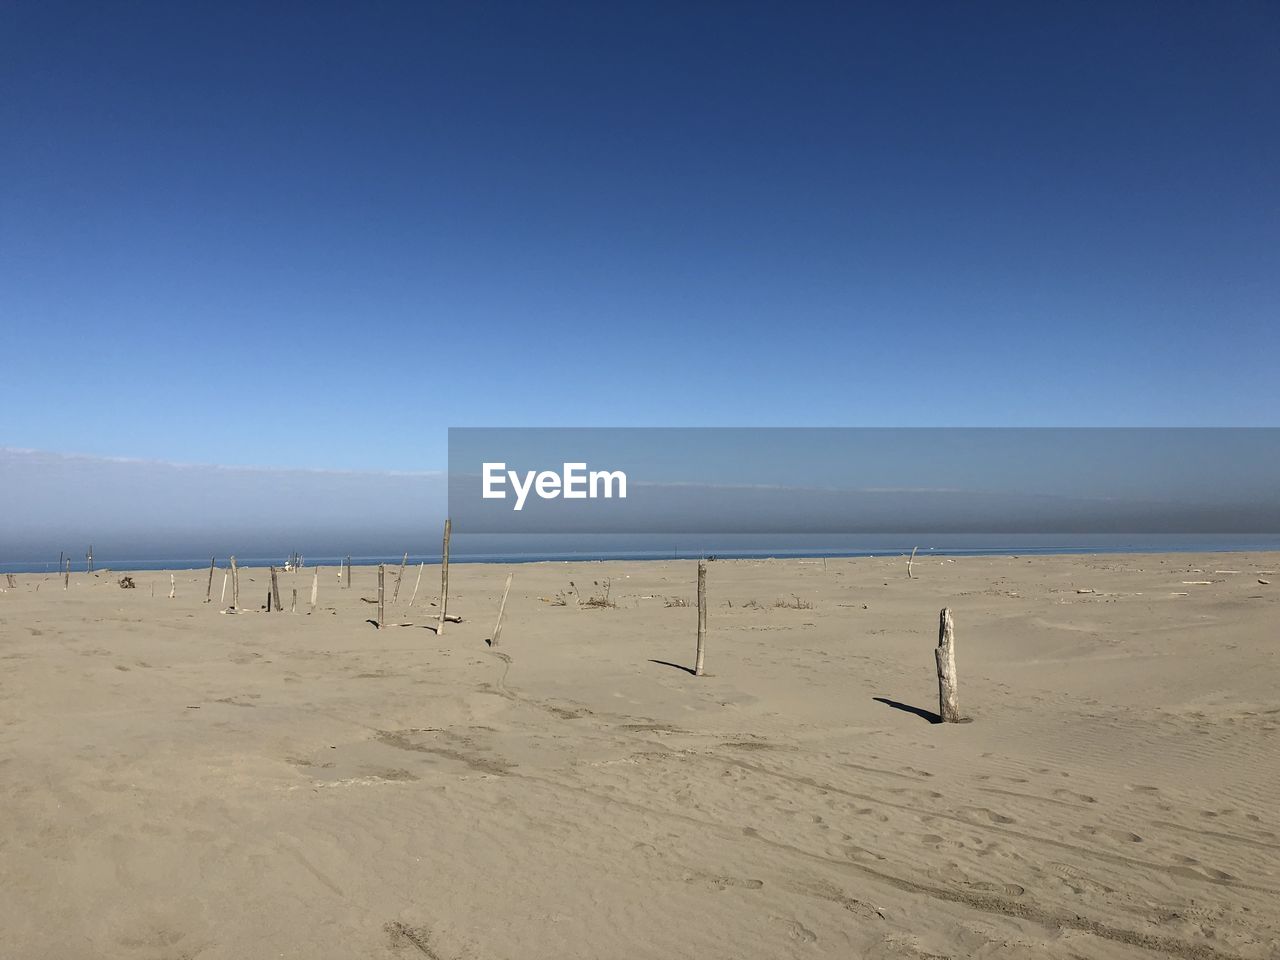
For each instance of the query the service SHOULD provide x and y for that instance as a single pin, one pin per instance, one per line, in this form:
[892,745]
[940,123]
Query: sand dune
[182,783]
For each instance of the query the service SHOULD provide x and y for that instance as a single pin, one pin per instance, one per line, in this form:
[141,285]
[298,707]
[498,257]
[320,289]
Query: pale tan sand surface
[176,782]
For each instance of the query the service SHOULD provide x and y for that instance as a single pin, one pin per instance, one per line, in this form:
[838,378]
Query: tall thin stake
[444,578]
[315,588]
[235,586]
[702,619]
[502,608]
[382,595]
[208,594]
[910,560]
[395,594]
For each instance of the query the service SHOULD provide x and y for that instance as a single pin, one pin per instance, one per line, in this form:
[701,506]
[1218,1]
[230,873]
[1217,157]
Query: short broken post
[275,590]
[502,608]
[700,662]
[945,654]
[382,596]
[444,578]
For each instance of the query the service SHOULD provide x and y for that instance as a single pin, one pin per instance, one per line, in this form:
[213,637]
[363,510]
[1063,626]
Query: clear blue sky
[318,236]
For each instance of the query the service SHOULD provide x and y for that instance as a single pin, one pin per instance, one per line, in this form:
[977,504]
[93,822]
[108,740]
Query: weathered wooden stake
[66,576]
[502,608]
[275,590]
[910,560]
[395,594]
[223,599]
[418,583]
[294,608]
[173,587]
[945,654]
[315,588]
[208,594]
[444,578]
[382,605]
[268,601]
[702,619]
[89,559]
[235,586]
[348,583]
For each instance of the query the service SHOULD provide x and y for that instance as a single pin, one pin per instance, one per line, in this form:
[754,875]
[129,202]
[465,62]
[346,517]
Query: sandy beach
[178,782]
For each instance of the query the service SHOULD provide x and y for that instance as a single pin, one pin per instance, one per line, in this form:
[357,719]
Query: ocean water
[476,550]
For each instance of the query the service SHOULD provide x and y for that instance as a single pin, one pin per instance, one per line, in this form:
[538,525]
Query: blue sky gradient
[318,235]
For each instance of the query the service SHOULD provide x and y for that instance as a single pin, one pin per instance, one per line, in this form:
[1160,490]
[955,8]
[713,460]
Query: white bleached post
[502,608]
[173,587]
[910,560]
[700,662]
[416,585]
[223,599]
[315,588]
[945,655]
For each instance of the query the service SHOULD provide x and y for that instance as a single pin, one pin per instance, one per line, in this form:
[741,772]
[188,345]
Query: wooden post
[208,594]
[275,590]
[910,560]
[89,559]
[315,588]
[223,599]
[702,619]
[418,583]
[66,576]
[61,558]
[235,586]
[268,601]
[173,587]
[294,608]
[348,583]
[444,578]
[395,594]
[945,654]
[502,608]
[382,605]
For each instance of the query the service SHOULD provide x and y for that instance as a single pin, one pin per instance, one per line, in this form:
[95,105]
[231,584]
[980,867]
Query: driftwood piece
[910,560]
